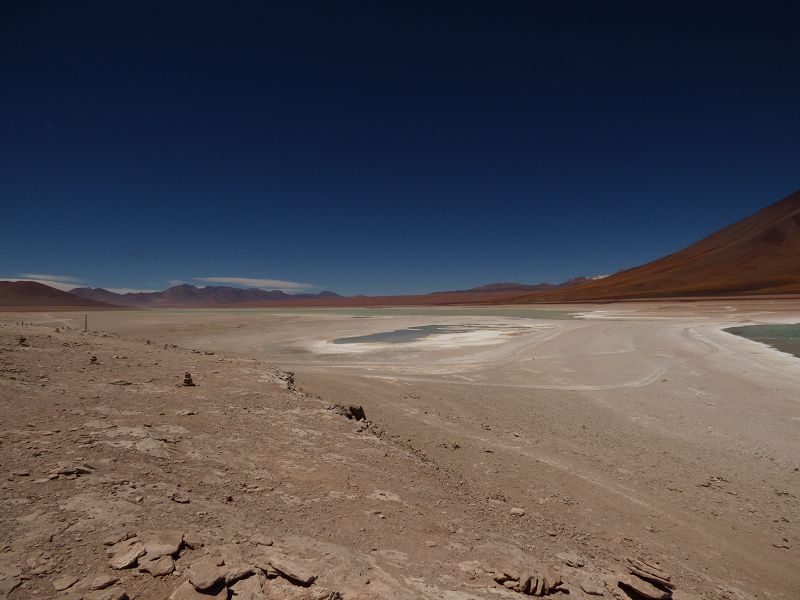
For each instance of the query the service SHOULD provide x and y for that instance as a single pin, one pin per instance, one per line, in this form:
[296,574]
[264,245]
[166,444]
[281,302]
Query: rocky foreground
[123,478]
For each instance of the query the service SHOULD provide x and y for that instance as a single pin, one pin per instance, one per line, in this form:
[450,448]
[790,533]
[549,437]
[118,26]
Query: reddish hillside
[33,294]
[757,255]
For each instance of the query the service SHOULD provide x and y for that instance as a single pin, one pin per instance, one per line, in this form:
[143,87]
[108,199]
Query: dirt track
[646,432]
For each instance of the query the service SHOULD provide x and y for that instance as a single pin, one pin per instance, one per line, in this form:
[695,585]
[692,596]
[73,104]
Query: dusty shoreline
[642,430]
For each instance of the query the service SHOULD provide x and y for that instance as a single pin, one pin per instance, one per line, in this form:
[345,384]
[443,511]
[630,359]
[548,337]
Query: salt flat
[637,428]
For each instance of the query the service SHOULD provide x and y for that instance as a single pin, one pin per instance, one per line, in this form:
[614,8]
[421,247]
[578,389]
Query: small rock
[591,588]
[572,560]
[186,591]
[648,576]
[113,593]
[538,589]
[533,584]
[64,582]
[250,588]
[259,539]
[158,567]
[126,542]
[192,540]
[293,571]
[165,542]
[127,558]
[238,571]
[642,587]
[205,573]
[648,568]
[511,574]
[518,511]
[551,578]
[525,583]
[101,582]
[21,473]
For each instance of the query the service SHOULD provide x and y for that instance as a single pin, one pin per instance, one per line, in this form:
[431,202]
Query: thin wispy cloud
[48,277]
[271,284]
[129,290]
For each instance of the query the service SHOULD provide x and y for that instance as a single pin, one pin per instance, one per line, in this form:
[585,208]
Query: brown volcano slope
[757,255]
[33,294]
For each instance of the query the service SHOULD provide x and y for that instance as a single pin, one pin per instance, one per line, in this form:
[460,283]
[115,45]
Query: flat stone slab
[206,572]
[121,546]
[103,581]
[164,565]
[165,542]
[127,558]
[64,582]
[293,570]
[112,593]
[643,588]
[238,571]
[186,591]
[250,588]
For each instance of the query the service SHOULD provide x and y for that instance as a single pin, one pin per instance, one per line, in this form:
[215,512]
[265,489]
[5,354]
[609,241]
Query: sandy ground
[637,430]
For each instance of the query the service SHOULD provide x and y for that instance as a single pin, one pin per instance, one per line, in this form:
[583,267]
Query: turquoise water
[410,334]
[785,338]
[402,336]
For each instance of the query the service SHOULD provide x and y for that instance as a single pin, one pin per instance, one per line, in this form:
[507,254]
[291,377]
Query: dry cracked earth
[118,481]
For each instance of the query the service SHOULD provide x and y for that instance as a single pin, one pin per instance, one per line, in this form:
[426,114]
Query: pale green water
[494,311]
[785,338]
[411,334]
[401,336]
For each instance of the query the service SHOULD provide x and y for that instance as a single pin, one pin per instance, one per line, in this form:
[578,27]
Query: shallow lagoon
[417,311]
[785,338]
[411,334]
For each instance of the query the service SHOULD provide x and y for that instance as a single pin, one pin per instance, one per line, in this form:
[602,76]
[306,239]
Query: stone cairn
[642,581]
[543,583]
[645,580]
[187,379]
[22,340]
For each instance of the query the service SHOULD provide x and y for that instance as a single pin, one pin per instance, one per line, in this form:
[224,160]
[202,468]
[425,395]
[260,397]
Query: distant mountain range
[757,255]
[519,287]
[186,295]
[28,293]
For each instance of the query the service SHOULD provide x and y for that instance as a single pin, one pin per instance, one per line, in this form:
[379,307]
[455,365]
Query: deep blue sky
[385,147]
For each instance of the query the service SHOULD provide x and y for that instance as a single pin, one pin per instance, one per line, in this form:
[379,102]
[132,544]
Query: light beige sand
[637,429]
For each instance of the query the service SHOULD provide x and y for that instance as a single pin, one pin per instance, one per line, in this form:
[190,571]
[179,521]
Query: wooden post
[85,323]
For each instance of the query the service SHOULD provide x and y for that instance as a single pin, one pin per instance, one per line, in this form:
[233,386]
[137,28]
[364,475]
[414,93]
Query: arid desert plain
[498,441]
